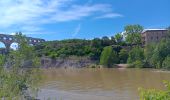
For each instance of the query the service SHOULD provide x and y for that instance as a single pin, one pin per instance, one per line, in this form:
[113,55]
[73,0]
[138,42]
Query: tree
[113,41]
[133,34]
[108,57]
[136,56]
[96,42]
[166,63]
[118,37]
[123,55]
[105,41]
[148,52]
[161,51]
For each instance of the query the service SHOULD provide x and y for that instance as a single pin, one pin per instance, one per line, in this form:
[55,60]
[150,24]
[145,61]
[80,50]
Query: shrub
[137,53]
[138,64]
[166,63]
[108,57]
[153,94]
[123,55]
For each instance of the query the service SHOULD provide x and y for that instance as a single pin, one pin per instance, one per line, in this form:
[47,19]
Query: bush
[136,54]
[166,63]
[108,57]
[160,53]
[153,94]
[138,64]
[123,55]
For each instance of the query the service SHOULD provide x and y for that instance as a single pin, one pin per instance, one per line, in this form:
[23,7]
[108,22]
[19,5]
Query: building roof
[153,30]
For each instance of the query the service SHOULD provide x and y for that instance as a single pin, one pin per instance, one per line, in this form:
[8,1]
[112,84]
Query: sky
[85,19]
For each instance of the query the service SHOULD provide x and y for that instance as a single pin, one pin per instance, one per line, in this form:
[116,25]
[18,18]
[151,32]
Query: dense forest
[77,47]
[81,47]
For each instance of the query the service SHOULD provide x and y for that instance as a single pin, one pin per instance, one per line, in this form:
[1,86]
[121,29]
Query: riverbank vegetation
[153,94]
[123,48]
[16,80]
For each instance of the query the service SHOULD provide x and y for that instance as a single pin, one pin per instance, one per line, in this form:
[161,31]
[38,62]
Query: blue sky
[86,19]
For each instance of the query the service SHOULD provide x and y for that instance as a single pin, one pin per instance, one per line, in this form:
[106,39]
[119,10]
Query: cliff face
[73,62]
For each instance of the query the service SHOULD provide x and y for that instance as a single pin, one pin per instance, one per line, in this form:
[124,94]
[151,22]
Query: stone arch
[2,44]
[31,44]
[14,46]
[5,38]
[2,48]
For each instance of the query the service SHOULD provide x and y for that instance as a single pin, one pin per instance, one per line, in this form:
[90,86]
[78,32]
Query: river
[98,84]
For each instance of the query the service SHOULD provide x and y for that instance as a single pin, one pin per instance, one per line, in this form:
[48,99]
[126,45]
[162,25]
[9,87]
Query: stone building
[154,35]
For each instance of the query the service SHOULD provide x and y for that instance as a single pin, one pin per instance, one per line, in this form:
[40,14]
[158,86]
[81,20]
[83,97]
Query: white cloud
[29,15]
[109,15]
[77,30]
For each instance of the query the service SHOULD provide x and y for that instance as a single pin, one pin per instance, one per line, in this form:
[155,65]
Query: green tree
[148,52]
[123,55]
[108,57]
[113,40]
[96,42]
[166,63]
[133,34]
[161,51]
[118,37]
[105,41]
[136,56]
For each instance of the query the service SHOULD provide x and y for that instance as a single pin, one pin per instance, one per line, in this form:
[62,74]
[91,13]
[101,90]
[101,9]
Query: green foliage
[166,63]
[123,55]
[151,55]
[134,38]
[130,29]
[133,34]
[118,37]
[105,41]
[74,47]
[96,42]
[148,52]
[108,57]
[136,54]
[136,57]
[138,64]
[157,55]
[161,51]
[2,60]
[153,94]
[15,80]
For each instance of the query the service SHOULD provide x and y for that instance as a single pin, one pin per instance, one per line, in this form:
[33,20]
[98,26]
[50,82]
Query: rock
[74,62]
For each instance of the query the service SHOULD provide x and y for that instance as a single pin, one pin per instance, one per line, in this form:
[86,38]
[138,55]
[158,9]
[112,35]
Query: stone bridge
[9,39]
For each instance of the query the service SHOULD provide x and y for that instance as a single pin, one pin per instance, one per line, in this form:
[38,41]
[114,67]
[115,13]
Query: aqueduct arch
[9,39]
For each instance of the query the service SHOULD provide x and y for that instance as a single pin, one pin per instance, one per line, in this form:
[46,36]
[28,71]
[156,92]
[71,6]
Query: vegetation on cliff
[126,48]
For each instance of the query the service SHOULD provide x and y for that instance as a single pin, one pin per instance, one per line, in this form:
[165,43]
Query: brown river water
[98,84]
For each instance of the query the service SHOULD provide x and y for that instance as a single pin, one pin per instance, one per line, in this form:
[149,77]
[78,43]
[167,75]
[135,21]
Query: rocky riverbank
[69,62]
